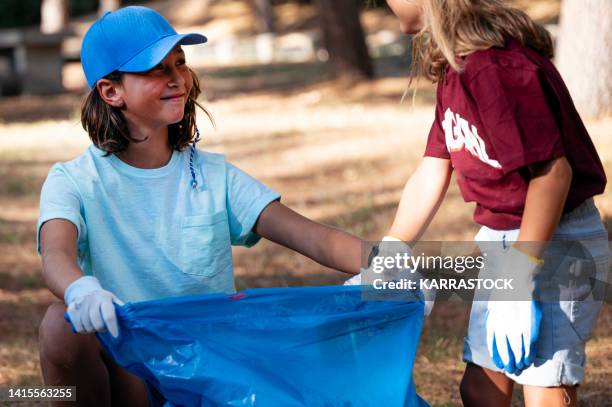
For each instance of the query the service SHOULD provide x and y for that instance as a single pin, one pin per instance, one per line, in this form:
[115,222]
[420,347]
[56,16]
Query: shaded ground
[338,154]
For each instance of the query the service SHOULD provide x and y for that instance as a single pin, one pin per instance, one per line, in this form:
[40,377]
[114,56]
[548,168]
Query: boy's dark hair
[108,129]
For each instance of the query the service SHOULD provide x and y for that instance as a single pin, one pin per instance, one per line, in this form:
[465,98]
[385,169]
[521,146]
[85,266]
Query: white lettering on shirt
[460,134]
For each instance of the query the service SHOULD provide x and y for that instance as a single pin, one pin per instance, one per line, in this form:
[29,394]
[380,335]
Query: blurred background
[307,97]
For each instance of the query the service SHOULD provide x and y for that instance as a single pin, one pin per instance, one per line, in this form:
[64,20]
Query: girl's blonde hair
[454,28]
[108,129]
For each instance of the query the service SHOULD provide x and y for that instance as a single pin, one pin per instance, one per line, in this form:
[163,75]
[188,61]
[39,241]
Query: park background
[298,105]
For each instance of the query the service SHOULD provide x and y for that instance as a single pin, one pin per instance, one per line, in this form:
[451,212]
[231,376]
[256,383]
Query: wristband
[536,260]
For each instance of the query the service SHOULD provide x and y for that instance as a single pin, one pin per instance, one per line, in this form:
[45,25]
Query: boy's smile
[177,98]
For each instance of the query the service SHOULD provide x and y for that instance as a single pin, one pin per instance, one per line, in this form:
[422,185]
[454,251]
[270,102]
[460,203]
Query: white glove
[513,327]
[355,280]
[90,307]
[390,247]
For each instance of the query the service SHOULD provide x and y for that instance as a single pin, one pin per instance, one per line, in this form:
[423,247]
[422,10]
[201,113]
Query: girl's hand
[513,329]
[390,247]
[513,318]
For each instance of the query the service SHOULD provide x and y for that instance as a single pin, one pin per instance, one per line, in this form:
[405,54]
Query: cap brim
[156,52]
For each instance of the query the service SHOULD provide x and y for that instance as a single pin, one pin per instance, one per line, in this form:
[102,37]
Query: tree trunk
[265,16]
[344,39]
[53,16]
[108,5]
[264,41]
[584,54]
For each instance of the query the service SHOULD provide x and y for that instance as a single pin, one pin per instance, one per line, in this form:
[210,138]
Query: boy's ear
[110,92]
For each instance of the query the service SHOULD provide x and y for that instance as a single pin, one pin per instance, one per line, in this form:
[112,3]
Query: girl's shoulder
[511,60]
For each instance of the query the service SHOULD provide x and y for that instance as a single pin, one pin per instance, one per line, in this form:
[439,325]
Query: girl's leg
[484,387]
[69,359]
[564,396]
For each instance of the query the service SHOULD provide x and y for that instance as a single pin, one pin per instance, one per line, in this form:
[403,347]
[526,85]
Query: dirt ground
[339,154]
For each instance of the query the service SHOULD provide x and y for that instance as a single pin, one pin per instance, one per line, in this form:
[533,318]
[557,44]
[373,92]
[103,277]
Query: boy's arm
[544,205]
[324,244]
[421,198]
[90,307]
[58,248]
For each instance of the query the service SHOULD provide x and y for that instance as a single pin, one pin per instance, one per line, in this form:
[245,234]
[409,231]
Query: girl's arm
[58,248]
[421,198]
[324,244]
[544,205]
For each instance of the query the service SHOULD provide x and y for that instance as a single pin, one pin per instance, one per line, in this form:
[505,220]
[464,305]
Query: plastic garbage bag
[311,346]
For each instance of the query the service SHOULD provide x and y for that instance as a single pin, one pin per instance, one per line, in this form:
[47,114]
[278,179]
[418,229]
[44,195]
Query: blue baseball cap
[130,39]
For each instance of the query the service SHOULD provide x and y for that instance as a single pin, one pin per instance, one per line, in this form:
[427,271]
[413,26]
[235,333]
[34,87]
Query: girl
[140,215]
[506,124]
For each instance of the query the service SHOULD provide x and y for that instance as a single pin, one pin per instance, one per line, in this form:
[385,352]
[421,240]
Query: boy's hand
[512,325]
[90,307]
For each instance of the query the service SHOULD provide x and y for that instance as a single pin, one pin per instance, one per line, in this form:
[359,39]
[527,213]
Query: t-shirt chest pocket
[205,244]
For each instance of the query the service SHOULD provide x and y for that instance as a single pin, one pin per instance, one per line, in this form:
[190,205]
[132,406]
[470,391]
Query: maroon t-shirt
[508,109]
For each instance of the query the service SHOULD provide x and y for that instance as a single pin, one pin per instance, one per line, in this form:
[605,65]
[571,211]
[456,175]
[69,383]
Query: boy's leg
[69,359]
[564,396]
[484,387]
[126,388]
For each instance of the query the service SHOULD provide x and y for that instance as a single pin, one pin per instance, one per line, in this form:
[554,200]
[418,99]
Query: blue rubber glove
[513,326]
[389,247]
[90,307]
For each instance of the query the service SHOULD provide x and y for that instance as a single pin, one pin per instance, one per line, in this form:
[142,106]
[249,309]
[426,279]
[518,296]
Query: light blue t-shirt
[146,233]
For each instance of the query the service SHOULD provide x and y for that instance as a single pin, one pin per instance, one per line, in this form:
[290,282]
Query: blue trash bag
[310,346]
